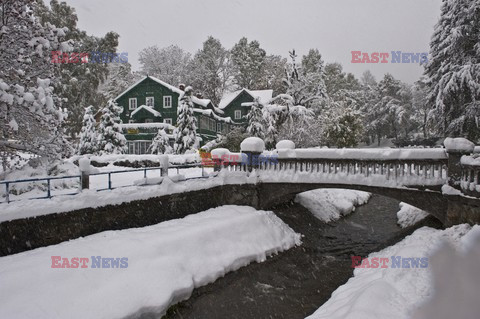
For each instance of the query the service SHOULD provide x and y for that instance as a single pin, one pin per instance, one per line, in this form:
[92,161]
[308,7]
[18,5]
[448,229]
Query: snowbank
[252,144]
[165,263]
[395,292]
[409,215]
[371,154]
[330,204]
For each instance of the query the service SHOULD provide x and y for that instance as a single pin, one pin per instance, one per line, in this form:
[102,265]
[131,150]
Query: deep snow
[165,263]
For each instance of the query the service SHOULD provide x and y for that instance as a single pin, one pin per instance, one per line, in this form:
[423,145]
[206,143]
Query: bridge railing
[470,179]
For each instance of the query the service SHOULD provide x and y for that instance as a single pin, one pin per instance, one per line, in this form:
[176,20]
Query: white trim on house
[148,99]
[130,100]
[146,108]
[168,121]
[238,115]
[165,99]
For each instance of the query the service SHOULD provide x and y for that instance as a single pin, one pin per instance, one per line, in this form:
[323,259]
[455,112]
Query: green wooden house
[236,105]
[151,104]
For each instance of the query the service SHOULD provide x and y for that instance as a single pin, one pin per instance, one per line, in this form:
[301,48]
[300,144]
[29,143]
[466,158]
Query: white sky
[335,27]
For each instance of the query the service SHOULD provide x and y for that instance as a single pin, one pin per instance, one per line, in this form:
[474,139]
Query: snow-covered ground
[164,263]
[409,215]
[447,288]
[330,204]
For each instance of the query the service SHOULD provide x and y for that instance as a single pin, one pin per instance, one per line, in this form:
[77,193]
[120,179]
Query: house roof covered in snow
[165,84]
[264,95]
[146,108]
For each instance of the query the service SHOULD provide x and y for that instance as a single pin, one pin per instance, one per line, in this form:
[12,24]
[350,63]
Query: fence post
[84,165]
[164,164]
[456,148]
[218,156]
[253,147]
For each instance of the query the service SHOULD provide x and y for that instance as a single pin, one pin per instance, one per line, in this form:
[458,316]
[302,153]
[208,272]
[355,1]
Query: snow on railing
[470,182]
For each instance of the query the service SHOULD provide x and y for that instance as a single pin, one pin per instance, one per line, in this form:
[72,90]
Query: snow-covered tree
[185,133]
[305,82]
[120,77]
[255,120]
[160,144]
[248,60]
[88,138]
[343,127]
[30,118]
[453,72]
[77,84]
[210,70]
[169,64]
[110,138]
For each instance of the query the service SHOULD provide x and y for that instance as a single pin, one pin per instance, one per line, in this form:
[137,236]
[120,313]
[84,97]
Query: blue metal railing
[48,179]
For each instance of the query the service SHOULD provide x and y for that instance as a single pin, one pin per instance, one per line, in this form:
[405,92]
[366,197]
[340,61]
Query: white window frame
[165,106]
[153,101]
[131,121]
[219,127]
[239,116]
[167,120]
[130,100]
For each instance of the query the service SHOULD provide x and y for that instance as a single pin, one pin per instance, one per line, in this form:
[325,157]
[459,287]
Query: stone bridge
[442,181]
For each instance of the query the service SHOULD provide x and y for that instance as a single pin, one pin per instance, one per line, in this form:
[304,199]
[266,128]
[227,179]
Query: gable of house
[235,105]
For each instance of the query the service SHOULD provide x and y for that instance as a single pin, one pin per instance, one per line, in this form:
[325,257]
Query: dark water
[295,283]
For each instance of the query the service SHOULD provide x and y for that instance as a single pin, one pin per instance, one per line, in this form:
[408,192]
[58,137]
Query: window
[219,127]
[131,121]
[167,102]
[203,123]
[167,121]
[131,148]
[148,121]
[149,101]
[212,125]
[132,103]
[238,114]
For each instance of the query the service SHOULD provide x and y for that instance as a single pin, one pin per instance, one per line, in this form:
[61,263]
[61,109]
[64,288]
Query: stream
[295,283]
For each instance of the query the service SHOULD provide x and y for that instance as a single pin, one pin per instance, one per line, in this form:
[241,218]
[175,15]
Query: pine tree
[110,137]
[88,134]
[248,60]
[120,77]
[160,144]
[255,119]
[453,72]
[343,127]
[31,119]
[186,131]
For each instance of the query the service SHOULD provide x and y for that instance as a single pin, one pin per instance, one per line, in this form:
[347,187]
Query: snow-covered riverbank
[165,262]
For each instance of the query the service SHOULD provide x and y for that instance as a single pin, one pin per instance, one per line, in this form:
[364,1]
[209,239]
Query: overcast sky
[335,27]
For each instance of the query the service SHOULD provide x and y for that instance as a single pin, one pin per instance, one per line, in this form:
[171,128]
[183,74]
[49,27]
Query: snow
[264,96]
[285,144]
[13,124]
[165,262]
[146,108]
[458,144]
[449,190]
[395,293]
[202,102]
[170,87]
[409,215]
[211,113]
[455,280]
[147,125]
[252,144]
[331,204]
[372,154]
[84,164]
[112,158]
[219,152]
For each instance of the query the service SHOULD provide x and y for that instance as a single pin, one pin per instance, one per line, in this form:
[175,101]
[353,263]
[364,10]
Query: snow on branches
[110,138]
[185,133]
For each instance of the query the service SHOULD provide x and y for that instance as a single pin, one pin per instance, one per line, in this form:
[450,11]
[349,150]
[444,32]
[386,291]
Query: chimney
[181,86]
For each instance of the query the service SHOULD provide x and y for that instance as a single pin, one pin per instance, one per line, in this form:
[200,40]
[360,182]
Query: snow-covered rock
[285,144]
[252,144]
[219,152]
[409,215]
[162,264]
[331,204]
[458,144]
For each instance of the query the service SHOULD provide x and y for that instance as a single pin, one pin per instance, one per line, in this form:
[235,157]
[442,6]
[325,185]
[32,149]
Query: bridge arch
[433,202]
